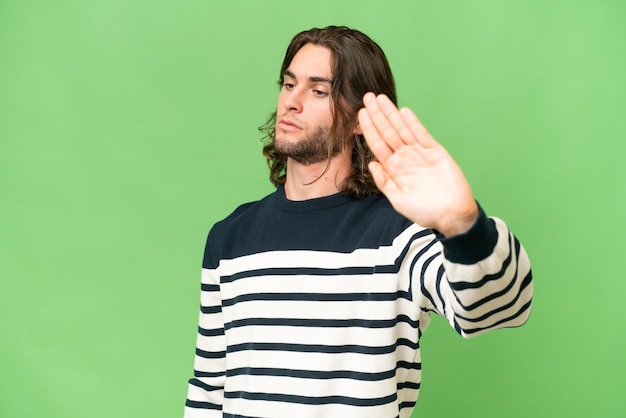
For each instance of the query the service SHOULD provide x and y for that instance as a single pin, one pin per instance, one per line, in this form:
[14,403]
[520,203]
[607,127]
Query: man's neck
[305,182]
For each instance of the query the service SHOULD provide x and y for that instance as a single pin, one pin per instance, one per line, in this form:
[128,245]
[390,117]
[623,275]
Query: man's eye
[320,93]
[288,86]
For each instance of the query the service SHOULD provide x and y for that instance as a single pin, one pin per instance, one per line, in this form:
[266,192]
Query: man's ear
[357,129]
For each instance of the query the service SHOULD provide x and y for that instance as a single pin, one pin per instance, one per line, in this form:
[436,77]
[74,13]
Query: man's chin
[302,153]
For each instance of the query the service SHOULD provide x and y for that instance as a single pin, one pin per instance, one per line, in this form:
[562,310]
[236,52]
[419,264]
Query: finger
[377,145]
[420,133]
[381,122]
[394,117]
[383,180]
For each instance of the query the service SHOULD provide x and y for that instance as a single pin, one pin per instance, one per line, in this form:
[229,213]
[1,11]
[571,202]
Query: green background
[127,128]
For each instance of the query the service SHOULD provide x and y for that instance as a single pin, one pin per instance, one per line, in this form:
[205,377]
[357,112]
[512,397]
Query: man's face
[304,112]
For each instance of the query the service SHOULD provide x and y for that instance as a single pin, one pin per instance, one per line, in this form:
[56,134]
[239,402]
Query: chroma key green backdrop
[127,128]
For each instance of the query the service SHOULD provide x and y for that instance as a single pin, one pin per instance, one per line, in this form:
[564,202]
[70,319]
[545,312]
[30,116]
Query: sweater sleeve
[484,280]
[206,389]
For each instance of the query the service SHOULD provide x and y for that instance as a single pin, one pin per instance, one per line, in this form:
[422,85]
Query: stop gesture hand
[418,176]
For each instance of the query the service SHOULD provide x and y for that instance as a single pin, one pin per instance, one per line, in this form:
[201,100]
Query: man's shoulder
[245,210]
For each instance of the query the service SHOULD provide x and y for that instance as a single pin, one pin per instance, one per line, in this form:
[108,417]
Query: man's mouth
[288,125]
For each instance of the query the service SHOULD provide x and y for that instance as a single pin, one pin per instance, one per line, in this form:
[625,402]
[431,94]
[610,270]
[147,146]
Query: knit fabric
[316,308]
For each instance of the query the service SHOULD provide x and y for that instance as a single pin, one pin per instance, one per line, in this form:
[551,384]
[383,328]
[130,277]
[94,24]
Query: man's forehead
[311,62]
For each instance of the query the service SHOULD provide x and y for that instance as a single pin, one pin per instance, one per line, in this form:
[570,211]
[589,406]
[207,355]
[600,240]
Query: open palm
[417,174]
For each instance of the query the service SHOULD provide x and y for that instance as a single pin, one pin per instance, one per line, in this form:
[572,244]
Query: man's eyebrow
[313,79]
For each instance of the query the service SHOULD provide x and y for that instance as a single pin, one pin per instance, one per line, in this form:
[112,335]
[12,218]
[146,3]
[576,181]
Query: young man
[314,298]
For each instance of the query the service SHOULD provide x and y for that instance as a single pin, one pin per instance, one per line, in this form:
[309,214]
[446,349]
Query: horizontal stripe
[317,262]
[407,404]
[210,332]
[202,405]
[409,365]
[408,385]
[323,323]
[318,297]
[202,385]
[312,374]
[205,374]
[311,400]
[210,287]
[321,348]
[210,354]
[312,271]
[211,309]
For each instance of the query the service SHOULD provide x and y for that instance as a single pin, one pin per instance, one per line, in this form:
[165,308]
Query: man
[314,298]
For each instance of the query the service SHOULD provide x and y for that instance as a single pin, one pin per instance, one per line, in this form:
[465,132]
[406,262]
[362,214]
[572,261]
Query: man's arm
[206,389]
[486,280]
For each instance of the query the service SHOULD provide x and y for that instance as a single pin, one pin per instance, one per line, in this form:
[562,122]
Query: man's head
[355,65]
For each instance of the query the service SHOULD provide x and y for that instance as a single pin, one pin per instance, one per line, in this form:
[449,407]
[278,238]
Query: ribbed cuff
[474,245]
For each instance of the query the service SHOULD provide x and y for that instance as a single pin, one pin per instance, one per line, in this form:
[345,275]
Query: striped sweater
[315,308]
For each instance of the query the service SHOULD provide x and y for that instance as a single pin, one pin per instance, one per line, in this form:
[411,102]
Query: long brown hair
[358,66]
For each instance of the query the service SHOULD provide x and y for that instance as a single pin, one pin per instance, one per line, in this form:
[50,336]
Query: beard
[310,150]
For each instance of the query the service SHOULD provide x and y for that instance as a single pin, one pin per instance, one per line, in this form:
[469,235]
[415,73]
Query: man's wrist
[473,245]
[459,224]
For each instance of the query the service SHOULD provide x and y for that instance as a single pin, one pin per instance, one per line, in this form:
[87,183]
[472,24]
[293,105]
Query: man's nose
[294,100]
